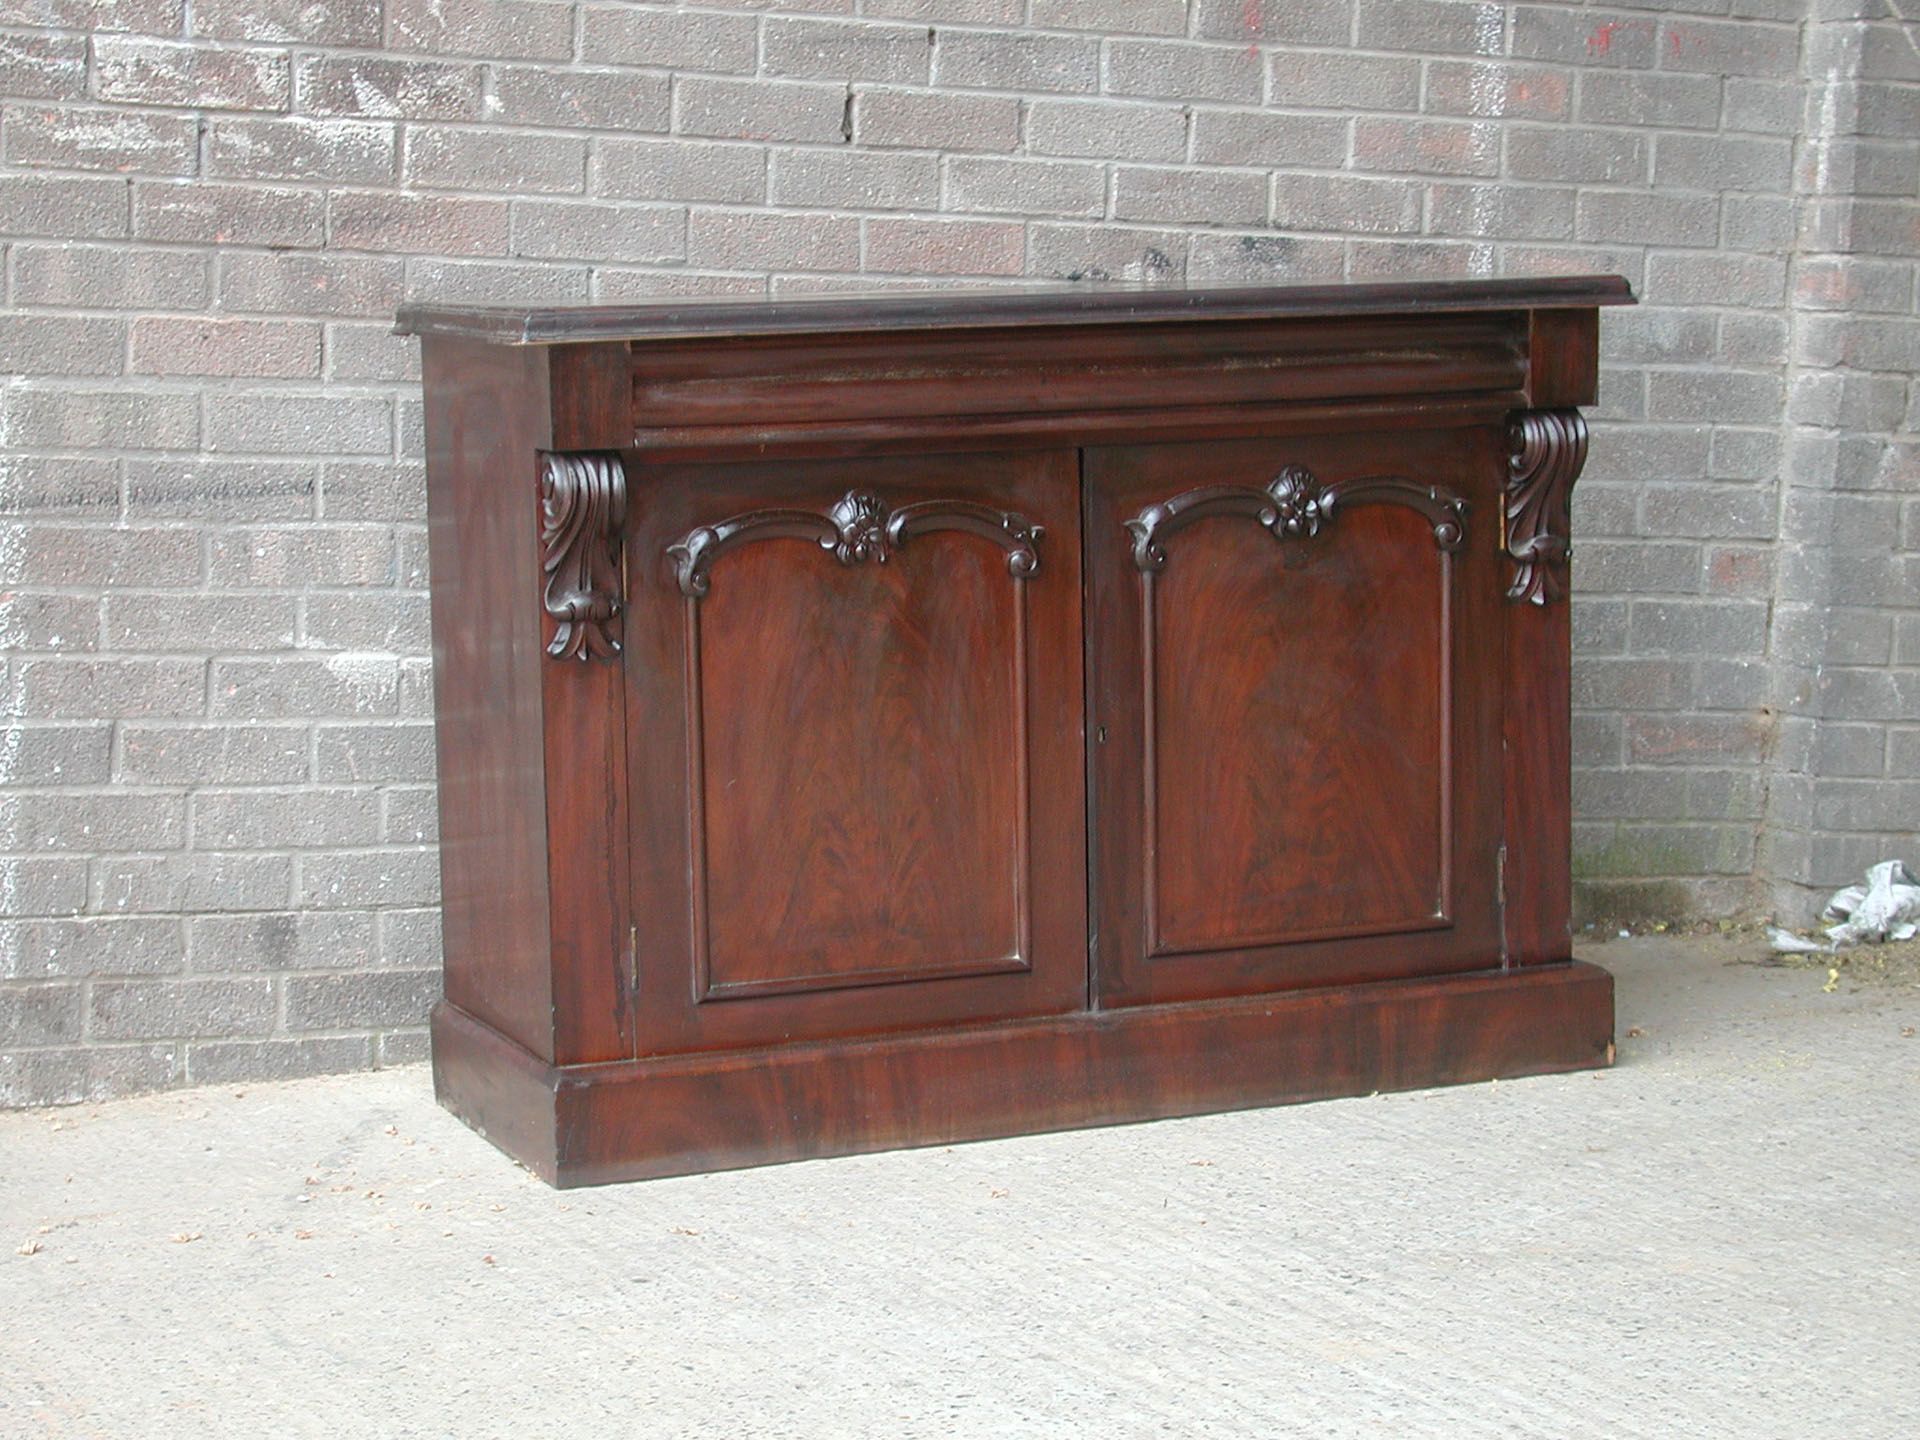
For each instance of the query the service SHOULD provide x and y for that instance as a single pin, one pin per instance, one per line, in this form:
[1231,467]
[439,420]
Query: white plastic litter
[1785,942]
[1889,910]
[1887,907]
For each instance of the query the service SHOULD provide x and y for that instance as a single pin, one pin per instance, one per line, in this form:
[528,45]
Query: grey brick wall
[216,825]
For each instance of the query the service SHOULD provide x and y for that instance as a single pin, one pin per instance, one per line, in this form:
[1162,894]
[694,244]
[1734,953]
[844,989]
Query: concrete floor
[1717,1238]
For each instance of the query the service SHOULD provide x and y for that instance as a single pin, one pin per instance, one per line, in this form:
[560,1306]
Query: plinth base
[685,1114]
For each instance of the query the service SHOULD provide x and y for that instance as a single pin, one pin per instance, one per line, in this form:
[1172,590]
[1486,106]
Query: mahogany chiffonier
[930,717]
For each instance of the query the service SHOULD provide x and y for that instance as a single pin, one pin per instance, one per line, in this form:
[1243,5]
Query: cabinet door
[855,710]
[1295,649]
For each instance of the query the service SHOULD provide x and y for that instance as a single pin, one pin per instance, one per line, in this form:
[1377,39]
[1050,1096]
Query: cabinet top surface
[976,309]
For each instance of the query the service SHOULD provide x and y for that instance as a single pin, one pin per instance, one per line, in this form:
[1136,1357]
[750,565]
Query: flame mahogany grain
[868,723]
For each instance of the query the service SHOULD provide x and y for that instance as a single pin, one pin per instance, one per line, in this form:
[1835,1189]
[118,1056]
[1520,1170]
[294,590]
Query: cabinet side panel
[486,421]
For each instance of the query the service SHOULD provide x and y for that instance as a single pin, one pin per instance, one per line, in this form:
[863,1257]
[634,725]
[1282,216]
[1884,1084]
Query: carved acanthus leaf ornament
[1546,449]
[583,505]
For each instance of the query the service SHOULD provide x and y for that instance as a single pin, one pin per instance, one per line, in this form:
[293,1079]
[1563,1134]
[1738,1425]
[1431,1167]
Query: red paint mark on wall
[1601,41]
[1834,286]
[1253,22]
[1674,41]
[1739,572]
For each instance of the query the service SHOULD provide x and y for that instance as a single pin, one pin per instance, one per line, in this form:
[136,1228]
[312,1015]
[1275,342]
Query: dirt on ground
[1895,964]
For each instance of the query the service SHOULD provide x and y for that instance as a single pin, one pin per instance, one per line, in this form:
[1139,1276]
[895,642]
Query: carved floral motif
[860,521]
[583,505]
[1299,504]
[1547,449]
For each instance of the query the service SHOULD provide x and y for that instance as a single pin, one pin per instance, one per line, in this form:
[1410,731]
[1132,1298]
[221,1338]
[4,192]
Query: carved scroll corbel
[583,506]
[1294,505]
[1546,449]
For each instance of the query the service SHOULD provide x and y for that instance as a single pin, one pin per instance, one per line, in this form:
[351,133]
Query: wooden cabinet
[925,718]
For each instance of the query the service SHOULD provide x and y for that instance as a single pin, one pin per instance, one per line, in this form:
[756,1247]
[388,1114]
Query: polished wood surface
[968,389]
[884,723]
[720,1110]
[584,702]
[1301,698]
[857,742]
[1545,451]
[1298,776]
[694,385]
[485,429]
[1046,306]
[1544,457]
